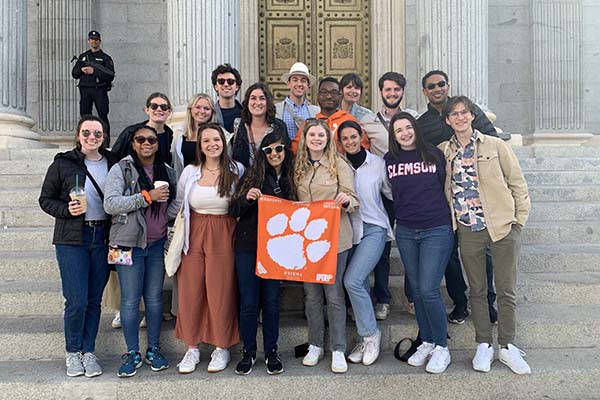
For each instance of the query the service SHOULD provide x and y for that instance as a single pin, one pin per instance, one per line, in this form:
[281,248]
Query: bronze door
[330,36]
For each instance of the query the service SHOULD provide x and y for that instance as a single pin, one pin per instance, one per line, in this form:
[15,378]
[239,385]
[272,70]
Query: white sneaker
[440,359]
[421,355]
[189,361]
[513,358]
[372,344]
[313,356]
[356,355]
[483,357]
[116,322]
[382,311]
[143,323]
[338,362]
[218,360]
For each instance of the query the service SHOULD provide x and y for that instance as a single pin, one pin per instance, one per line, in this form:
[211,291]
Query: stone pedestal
[15,124]
[453,36]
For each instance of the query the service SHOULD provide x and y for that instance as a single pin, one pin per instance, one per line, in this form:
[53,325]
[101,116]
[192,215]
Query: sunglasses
[278,149]
[143,139]
[431,86]
[97,134]
[230,82]
[154,106]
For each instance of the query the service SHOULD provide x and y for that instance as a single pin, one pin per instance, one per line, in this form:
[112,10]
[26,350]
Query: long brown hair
[229,170]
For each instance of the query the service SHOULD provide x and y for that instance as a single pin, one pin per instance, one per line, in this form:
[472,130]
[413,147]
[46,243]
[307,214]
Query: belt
[95,223]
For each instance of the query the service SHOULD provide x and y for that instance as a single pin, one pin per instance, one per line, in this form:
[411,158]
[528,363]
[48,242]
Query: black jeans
[99,97]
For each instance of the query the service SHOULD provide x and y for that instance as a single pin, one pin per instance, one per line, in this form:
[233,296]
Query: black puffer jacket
[123,143]
[246,228]
[241,145]
[54,198]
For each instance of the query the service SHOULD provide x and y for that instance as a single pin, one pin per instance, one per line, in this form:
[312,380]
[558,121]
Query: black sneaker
[274,365]
[458,315]
[244,367]
[493,315]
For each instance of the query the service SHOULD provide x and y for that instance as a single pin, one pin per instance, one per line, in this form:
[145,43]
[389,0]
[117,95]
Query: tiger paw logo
[292,251]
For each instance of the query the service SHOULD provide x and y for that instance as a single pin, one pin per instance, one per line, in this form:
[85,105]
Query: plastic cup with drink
[78,194]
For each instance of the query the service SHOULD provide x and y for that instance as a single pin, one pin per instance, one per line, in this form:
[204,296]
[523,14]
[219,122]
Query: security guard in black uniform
[95,71]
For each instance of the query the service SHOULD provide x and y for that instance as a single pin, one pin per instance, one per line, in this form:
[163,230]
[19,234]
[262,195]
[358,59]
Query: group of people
[444,181]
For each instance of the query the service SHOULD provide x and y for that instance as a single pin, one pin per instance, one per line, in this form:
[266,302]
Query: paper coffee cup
[79,195]
[158,184]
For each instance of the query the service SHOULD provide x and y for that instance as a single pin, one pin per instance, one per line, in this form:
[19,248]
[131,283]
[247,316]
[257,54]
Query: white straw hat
[299,69]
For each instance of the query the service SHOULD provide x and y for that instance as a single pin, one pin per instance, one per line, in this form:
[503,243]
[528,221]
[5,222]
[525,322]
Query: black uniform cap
[94,34]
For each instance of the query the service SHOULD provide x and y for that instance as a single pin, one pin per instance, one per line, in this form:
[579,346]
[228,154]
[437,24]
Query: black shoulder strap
[383,121]
[89,175]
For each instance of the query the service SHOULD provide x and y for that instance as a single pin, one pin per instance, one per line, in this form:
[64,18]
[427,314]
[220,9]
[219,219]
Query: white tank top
[206,200]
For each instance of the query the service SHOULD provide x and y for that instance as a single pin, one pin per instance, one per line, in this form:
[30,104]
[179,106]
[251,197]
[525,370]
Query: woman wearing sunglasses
[206,279]
[321,174]
[272,173]
[258,119]
[80,236]
[138,205]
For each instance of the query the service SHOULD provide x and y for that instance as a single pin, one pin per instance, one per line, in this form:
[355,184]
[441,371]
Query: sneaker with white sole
[188,363]
[116,322]
[74,364]
[356,355]
[314,355]
[338,362]
[244,367]
[218,360]
[484,357]
[421,355]
[372,345]
[439,361]
[382,311]
[143,322]
[513,358]
[91,365]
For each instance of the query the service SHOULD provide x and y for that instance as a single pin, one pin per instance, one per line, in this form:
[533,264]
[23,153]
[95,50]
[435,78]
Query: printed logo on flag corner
[297,241]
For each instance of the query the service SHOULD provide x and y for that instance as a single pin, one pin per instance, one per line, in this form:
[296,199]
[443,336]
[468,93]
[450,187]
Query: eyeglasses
[154,106]
[455,114]
[431,86]
[278,149]
[332,93]
[230,82]
[97,134]
[142,139]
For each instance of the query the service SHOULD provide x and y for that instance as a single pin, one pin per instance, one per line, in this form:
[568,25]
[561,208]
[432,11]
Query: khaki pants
[505,255]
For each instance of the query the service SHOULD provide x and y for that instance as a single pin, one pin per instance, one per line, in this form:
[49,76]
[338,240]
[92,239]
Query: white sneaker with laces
[382,311]
[356,355]
[421,355]
[513,358]
[189,361]
[314,355]
[372,345]
[218,360]
[116,322]
[338,362]
[483,357]
[439,361]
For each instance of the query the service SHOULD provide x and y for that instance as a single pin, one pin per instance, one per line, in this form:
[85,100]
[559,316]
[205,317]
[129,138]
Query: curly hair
[303,162]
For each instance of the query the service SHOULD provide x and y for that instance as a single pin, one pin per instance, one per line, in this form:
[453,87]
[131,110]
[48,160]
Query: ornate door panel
[330,36]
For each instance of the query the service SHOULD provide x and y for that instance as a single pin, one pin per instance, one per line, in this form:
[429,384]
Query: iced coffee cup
[78,194]
[158,184]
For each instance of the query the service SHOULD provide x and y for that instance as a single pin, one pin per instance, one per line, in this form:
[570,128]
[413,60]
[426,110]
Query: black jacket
[435,130]
[99,79]
[241,145]
[246,228]
[123,143]
[54,198]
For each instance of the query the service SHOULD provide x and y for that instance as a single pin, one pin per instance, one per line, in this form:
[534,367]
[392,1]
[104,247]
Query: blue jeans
[363,261]
[381,273]
[257,293]
[425,253]
[143,278]
[84,272]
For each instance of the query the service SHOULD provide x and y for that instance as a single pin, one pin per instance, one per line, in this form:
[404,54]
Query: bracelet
[147,196]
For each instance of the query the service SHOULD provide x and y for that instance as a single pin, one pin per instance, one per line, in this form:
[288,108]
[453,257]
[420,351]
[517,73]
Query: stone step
[561,232]
[559,164]
[564,211]
[26,239]
[567,374]
[538,326]
[558,151]
[24,167]
[39,155]
[25,217]
[21,181]
[560,194]
[562,178]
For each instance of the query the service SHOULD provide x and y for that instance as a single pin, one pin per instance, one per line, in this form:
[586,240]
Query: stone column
[557,30]
[15,124]
[202,35]
[453,36]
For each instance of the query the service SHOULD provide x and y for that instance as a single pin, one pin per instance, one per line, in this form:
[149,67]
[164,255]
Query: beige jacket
[502,187]
[319,184]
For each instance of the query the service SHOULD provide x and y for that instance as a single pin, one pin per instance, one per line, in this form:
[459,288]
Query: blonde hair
[303,162]
[190,124]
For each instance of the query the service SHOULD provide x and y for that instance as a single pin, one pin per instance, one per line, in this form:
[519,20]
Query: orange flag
[297,240]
